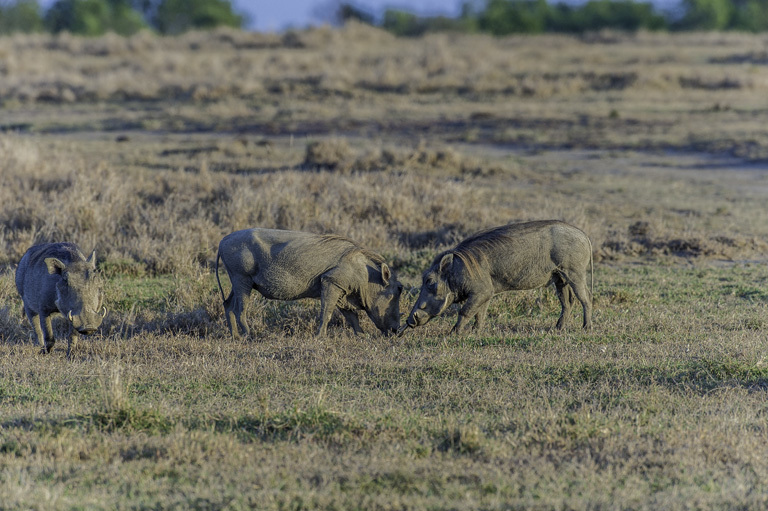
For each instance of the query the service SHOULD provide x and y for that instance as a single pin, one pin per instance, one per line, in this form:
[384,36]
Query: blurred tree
[93,17]
[601,14]
[347,11]
[176,16]
[20,16]
[705,15]
[502,17]
[404,23]
[125,20]
[751,15]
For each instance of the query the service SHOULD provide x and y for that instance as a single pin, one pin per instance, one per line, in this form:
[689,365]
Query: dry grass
[151,149]
[660,406]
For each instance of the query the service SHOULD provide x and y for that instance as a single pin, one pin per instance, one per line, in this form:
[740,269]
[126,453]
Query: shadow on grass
[288,425]
[700,375]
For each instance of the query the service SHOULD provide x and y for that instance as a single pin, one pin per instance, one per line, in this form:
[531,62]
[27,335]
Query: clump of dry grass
[337,155]
[11,327]
[332,154]
[170,221]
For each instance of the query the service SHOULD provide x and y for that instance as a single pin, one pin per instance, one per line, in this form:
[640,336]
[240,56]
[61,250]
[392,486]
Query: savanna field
[150,149]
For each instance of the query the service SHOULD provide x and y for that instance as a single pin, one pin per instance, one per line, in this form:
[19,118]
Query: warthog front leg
[71,341]
[482,313]
[43,330]
[352,319]
[476,306]
[330,294]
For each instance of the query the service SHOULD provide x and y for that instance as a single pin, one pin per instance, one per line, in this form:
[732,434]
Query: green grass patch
[124,294]
[131,418]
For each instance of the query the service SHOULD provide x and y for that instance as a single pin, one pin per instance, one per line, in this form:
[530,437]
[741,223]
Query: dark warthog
[289,265]
[56,277]
[519,256]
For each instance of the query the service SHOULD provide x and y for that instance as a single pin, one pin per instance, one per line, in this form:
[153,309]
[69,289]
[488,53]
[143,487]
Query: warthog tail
[591,270]
[218,280]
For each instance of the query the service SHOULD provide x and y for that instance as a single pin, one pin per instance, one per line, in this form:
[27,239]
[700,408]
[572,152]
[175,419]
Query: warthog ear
[54,265]
[386,274]
[445,262]
[92,260]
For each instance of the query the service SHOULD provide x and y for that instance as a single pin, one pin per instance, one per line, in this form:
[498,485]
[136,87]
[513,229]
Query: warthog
[289,265]
[56,278]
[518,256]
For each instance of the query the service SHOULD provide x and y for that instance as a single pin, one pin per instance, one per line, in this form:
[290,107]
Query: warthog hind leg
[233,310]
[581,290]
[565,295]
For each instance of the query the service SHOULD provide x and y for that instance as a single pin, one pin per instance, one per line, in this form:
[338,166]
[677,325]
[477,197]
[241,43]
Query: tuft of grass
[466,440]
[297,424]
[118,412]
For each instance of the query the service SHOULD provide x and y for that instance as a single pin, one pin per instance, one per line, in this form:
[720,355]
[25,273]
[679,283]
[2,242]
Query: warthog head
[435,295]
[384,302]
[79,294]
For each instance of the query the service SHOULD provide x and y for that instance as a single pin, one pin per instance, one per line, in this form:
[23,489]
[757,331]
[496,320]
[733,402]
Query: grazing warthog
[518,256]
[289,265]
[56,278]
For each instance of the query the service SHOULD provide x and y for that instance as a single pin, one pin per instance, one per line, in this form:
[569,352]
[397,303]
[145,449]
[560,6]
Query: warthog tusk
[69,316]
[402,329]
[103,314]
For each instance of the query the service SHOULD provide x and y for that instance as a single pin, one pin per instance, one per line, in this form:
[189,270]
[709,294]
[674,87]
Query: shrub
[93,17]
[20,16]
[177,16]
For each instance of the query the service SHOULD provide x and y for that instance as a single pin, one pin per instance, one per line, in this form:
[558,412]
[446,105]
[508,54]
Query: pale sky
[277,15]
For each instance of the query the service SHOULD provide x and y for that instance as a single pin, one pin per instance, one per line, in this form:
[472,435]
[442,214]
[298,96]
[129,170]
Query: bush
[20,16]
[403,23]
[177,16]
[706,14]
[601,14]
[502,17]
[93,17]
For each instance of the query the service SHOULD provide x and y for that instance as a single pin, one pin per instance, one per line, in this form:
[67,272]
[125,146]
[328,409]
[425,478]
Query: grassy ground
[662,405]
[653,144]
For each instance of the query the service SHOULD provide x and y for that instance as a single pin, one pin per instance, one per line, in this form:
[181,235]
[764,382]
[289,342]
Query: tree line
[503,17]
[498,17]
[125,17]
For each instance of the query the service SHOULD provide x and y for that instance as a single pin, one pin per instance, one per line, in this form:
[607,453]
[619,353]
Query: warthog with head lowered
[518,256]
[56,278]
[289,265]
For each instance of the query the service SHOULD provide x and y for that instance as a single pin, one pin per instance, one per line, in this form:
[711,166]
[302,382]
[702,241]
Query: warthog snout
[419,315]
[88,322]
